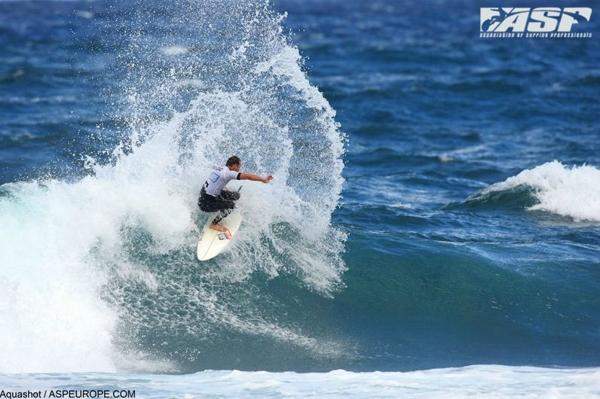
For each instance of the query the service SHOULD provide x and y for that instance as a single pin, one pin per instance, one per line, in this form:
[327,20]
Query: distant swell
[568,191]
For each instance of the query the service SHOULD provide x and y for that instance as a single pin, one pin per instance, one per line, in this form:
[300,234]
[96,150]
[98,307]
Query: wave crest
[569,191]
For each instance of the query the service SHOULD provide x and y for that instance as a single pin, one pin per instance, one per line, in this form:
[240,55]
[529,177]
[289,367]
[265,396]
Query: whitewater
[65,245]
[570,191]
[468,382]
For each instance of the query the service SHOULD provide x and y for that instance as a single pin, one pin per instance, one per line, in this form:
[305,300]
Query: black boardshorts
[223,204]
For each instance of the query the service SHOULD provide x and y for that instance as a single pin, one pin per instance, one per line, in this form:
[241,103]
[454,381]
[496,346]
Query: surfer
[214,198]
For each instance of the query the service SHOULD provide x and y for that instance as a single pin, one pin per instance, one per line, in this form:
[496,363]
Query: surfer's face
[235,167]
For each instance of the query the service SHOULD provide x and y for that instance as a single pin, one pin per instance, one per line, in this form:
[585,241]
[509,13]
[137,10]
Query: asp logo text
[533,20]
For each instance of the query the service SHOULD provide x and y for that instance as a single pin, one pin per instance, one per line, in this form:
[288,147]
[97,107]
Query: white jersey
[218,178]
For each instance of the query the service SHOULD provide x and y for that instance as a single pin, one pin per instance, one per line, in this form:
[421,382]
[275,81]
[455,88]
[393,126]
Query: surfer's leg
[218,227]
[223,213]
[230,195]
[226,207]
[222,229]
[211,204]
[208,203]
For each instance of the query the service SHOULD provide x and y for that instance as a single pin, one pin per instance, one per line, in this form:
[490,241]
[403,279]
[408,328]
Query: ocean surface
[433,226]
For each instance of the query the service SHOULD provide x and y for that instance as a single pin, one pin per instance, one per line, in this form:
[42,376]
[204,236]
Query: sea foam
[571,191]
[482,381]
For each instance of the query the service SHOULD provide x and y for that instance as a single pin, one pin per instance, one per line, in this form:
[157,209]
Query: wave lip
[569,191]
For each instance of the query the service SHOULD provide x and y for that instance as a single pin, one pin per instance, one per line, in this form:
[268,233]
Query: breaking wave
[100,272]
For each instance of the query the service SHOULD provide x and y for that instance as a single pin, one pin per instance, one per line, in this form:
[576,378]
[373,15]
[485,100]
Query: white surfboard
[213,242]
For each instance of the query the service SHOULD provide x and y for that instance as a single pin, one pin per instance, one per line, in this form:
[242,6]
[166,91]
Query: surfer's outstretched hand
[267,179]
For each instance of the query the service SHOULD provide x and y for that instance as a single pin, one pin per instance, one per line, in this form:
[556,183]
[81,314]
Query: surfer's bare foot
[222,229]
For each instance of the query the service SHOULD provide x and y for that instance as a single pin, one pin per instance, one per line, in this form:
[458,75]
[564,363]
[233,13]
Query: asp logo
[539,20]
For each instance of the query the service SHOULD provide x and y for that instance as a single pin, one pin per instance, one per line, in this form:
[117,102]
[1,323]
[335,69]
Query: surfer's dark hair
[234,160]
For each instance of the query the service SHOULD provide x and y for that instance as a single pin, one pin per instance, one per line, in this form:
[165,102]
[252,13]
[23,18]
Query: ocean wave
[567,191]
[13,76]
[100,272]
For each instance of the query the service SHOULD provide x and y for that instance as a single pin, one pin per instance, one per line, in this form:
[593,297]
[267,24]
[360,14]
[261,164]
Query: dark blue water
[438,271]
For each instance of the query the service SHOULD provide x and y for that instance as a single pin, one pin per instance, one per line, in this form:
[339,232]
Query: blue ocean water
[436,200]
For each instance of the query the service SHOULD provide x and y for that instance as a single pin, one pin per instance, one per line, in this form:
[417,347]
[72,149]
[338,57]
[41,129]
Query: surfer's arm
[253,177]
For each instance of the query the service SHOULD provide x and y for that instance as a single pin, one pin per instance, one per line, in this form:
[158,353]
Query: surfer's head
[234,163]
